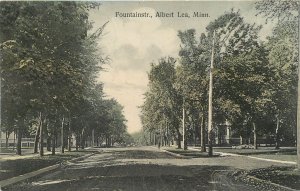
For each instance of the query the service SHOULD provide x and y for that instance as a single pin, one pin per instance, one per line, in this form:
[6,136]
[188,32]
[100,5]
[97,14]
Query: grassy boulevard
[12,166]
[285,176]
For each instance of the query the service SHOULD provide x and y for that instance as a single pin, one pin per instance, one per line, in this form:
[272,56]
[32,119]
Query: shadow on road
[116,170]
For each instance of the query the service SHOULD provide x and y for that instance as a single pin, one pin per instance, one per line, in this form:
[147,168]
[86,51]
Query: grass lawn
[11,150]
[281,154]
[254,152]
[12,168]
[278,156]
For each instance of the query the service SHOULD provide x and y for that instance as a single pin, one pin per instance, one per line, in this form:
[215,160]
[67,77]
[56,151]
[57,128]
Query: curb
[176,154]
[257,158]
[82,157]
[13,180]
[272,160]
[271,183]
[22,177]
[171,153]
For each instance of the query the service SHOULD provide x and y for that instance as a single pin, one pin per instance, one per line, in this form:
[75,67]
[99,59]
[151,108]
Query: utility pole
[298,101]
[41,136]
[159,143]
[62,135]
[210,149]
[93,137]
[183,126]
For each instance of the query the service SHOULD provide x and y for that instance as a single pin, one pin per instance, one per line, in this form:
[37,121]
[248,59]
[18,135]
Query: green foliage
[49,63]
[162,104]
[278,9]
[254,81]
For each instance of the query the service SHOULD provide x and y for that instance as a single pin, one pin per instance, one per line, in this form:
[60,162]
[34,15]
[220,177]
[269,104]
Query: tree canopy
[49,67]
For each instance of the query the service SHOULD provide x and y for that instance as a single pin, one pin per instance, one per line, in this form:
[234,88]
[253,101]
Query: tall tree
[162,100]
[43,68]
[285,10]
[192,79]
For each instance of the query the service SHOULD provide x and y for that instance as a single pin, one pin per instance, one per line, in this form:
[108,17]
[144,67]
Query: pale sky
[134,43]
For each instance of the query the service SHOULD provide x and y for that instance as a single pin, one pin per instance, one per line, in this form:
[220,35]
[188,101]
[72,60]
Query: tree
[162,101]
[285,10]
[282,47]
[45,70]
[248,76]
[232,37]
[192,79]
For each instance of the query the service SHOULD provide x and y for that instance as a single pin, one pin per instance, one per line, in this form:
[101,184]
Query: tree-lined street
[220,111]
[227,83]
[49,88]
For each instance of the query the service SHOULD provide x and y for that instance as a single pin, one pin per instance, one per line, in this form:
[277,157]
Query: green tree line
[50,62]
[254,85]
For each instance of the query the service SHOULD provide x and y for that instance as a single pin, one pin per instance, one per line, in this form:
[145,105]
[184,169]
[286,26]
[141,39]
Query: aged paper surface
[149,95]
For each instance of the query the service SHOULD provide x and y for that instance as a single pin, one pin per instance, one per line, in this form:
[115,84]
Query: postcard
[149,95]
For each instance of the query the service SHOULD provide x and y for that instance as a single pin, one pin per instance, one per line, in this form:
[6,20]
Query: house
[10,140]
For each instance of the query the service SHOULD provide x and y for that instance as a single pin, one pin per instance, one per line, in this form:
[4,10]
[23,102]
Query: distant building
[10,140]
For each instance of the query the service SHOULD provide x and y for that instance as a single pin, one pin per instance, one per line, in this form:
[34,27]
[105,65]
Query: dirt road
[139,169]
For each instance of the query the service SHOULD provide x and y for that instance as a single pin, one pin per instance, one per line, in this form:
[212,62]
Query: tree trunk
[15,134]
[19,141]
[69,143]
[277,132]
[77,141]
[109,140]
[178,139]
[159,142]
[219,136]
[70,136]
[82,139]
[241,140]
[168,135]
[36,139]
[48,143]
[41,136]
[160,138]
[203,147]
[254,136]
[62,135]
[6,139]
[81,142]
[69,140]
[53,142]
[48,137]
[195,135]
[93,137]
